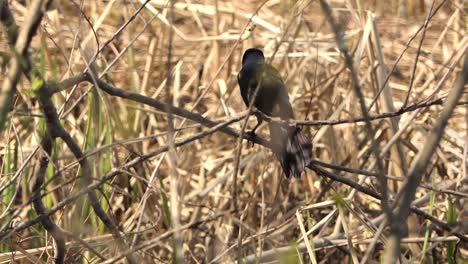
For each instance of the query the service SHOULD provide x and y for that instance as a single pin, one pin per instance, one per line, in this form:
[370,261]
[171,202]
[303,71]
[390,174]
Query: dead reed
[137,160]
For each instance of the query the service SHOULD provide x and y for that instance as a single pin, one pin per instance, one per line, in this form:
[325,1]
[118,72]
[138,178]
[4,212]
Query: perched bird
[291,146]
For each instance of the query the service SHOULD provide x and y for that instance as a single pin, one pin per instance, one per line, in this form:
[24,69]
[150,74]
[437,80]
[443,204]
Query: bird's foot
[252,135]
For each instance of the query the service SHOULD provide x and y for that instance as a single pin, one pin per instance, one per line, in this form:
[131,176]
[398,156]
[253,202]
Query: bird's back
[272,97]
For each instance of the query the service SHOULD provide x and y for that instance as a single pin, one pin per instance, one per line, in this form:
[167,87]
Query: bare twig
[400,112]
[131,155]
[56,130]
[114,172]
[419,167]
[48,224]
[418,52]
[402,53]
[21,42]
[44,92]
[117,33]
[194,117]
[232,132]
[372,193]
[67,83]
[176,110]
[174,175]
[241,135]
[273,254]
[357,89]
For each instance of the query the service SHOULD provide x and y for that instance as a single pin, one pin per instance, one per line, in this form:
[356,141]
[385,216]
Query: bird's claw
[251,135]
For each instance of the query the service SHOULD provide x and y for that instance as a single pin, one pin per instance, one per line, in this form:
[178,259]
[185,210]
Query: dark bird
[291,146]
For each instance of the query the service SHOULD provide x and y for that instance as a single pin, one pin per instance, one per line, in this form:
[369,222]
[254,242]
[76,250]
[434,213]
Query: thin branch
[44,92]
[374,194]
[86,18]
[48,224]
[21,41]
[401,55]
[241,136]
[117,33]
[418,52]
[419,166]
[357,89]
[229,131]
[174,175]
[373,174]
[67,83]
[56,129]
[176,110]
[411,108]
[115,172]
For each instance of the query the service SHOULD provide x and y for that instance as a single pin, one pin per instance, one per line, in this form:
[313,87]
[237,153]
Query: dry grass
[186,204]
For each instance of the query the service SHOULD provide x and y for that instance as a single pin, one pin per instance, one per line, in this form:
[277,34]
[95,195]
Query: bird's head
[253,55]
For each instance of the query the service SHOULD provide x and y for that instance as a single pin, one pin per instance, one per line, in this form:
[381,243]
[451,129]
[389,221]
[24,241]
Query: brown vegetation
[120,124]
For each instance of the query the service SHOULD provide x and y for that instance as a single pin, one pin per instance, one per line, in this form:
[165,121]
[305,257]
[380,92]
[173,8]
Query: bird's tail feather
[292,147]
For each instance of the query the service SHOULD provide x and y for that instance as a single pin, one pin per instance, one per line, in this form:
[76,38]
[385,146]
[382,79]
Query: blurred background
[420,42]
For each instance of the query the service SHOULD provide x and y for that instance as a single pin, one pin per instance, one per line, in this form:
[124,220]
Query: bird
[290,144]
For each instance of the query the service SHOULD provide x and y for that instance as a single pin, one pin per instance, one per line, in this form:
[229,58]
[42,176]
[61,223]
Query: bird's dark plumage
[292,146]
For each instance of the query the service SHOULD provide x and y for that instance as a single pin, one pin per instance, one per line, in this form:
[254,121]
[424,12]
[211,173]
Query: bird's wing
[272,97]
[243,84]
[282,107]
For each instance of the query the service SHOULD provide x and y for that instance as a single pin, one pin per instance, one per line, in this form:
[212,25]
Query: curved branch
[46,221]
[257,139]
[138,160]
[67,83]
[111,174]
[372,193]
[20,43]
[44,92]
[109,89]
[56,129]
[359,94]
[419,166]
[411,108]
